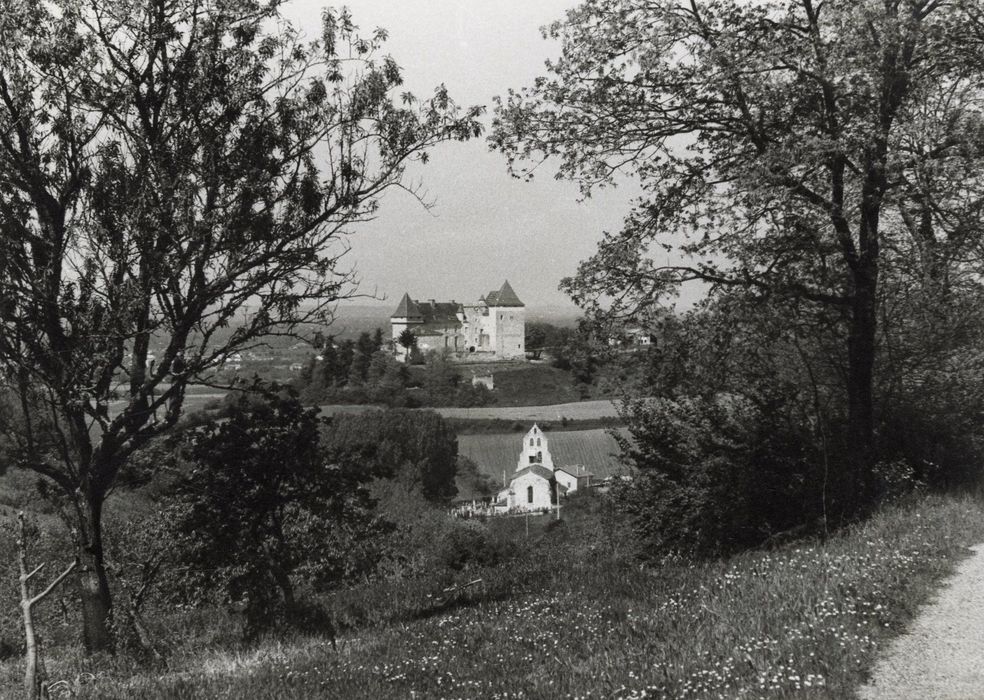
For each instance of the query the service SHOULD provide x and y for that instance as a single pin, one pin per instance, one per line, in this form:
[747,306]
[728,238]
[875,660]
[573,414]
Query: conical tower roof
[504,297]
[407,308]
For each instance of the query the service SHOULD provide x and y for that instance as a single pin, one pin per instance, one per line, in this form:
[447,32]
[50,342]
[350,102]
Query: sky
[485,226]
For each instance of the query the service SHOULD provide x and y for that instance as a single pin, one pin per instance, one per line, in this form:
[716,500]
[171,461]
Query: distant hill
[353,319]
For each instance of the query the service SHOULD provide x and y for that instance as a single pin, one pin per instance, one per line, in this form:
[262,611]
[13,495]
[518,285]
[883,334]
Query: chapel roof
[536,469]
[504,297]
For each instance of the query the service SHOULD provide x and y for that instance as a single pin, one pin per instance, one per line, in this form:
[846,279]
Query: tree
[416,446]
[796,149]
[364,348]
[262,500]
[441,379]
[408,341]
[536,338]
[176,180]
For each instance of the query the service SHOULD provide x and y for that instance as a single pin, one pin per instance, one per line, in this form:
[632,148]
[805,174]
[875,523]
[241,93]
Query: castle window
[529,494]
[531,442]
[538,442]
[539,456]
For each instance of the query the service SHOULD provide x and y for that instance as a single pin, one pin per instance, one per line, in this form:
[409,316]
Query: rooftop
[504,297]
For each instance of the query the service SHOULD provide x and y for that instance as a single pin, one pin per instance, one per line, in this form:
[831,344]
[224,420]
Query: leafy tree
[717,474]
[418,447]
[441,379]
[343,364]
[175,182]
[536,338]
[799,150]
[408,341]
[386,376]
[262,501]
[359,368]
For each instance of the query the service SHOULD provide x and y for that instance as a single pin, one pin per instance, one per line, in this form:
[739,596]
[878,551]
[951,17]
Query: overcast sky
[485,226]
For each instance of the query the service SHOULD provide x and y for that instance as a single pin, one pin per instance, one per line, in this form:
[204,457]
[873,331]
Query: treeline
[364,371]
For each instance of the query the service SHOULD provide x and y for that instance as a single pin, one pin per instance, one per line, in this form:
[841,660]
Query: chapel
[538,484]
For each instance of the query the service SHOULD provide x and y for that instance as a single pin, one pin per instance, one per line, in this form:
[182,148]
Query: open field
[593,449]
[529,384]
[576,616]
[582,410]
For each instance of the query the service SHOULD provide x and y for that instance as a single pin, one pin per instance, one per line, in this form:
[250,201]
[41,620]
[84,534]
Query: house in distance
[493,328]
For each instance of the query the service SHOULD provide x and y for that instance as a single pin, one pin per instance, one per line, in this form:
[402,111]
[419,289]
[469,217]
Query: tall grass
[578,617]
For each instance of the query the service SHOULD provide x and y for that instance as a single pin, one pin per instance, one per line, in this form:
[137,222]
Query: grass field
[576,617]
[532,384]
[593,449]
[583,410]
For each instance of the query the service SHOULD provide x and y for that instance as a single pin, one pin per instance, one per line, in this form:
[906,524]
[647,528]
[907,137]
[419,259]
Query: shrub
[469,543]
[717,475]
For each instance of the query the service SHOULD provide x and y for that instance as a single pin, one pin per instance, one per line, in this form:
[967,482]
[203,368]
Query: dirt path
[941,657]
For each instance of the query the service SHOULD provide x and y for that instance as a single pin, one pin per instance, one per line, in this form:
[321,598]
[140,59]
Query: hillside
[574,615]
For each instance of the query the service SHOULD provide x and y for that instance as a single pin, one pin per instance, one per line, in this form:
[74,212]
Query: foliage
[262,504]
[176,182]
[823,155]
[718,475]
[417,448]
[535,339]
[469,544]
[362,372]
[408,341]
[471,482]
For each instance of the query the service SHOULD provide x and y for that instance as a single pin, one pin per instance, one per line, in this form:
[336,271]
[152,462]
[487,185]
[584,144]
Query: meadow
[577,411]
[576,615]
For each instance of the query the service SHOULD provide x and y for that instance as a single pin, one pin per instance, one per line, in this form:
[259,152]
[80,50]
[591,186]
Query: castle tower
[535,450]
[506,325]
[407,315]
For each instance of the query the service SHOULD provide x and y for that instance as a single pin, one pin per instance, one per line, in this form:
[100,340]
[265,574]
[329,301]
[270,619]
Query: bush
[469,543]
[717,475]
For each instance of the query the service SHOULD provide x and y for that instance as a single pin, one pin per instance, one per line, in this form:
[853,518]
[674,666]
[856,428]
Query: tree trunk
[34,674]
[97,604]
[32,679]
[860,388]
[284,583]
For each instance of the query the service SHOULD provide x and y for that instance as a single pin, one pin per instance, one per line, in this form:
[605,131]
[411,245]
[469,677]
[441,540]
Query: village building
[538,484]
[493,328]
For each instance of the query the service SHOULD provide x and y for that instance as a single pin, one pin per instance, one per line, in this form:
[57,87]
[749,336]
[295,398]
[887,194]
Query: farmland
[595,450]
[580,410]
